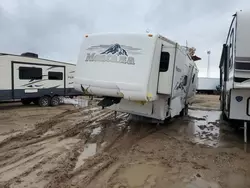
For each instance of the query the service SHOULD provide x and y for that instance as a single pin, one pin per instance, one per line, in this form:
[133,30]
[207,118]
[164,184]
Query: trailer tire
[25,101]
[55,101]
[44,101]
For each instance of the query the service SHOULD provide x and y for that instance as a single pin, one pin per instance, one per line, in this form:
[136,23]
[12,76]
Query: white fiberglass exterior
[242,34]
[206,83]
[116,65]
[235,69]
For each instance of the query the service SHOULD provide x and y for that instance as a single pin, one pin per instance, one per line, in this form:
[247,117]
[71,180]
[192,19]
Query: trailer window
[231,49]
[55,75]
[164,62]
[28,73]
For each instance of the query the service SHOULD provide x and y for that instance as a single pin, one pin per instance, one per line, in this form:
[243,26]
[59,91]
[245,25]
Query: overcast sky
[55,29]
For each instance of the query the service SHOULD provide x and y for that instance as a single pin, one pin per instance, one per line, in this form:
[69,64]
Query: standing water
[206,128]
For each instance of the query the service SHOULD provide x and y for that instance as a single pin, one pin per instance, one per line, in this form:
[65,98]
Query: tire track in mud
[18,179]
[115,150]
[35,135]
[11,147]
[78,127]
[119,149]
[7,158]
[64,177]
[40,128]
[63,171]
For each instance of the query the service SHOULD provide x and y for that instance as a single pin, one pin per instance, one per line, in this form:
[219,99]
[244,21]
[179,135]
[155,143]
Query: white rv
[235,69]
[36,80]
[208,85]
[146,75]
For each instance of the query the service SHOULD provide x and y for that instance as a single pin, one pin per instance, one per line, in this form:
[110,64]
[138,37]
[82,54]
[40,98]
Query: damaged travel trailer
[145,75]
[235,69]
[36,80]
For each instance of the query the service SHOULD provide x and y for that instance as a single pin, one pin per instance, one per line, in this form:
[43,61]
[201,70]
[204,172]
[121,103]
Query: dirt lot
[70,147]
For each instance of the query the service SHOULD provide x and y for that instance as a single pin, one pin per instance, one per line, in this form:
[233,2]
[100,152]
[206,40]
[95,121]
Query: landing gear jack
[245,132]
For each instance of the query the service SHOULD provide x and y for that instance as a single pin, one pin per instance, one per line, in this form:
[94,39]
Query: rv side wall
[209,84]
[33,78]
[49,80]
[5,79]
[242,35]
[194,81]
[242,51]
[180,82]
[70,75]
[239,107]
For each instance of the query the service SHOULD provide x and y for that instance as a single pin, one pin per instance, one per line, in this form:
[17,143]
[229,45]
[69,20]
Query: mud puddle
[89,150]
[206,128]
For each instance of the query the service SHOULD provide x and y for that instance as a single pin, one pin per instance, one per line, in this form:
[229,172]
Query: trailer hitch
[108,101]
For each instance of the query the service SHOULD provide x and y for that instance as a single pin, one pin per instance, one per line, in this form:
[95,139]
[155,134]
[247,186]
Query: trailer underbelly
[156,109]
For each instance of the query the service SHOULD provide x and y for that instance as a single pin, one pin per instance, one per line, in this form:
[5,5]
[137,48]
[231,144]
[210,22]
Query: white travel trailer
[208,85]
[144,75]
[36,80]
[235,69]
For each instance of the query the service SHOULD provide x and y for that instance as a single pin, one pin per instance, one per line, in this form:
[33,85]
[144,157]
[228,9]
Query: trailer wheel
[44,101]
[55,101]
[25,101]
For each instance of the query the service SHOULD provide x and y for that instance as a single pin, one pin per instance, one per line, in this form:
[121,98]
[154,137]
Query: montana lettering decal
[112,54]
[110,58]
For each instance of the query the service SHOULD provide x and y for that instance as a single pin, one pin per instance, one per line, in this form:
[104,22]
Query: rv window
[164,62]
[231,48]
[55,75]
[28,73]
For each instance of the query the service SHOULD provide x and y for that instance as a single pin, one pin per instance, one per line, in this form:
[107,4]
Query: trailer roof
[16,55]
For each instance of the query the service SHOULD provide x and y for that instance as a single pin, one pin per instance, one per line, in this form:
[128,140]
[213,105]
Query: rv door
[166,70]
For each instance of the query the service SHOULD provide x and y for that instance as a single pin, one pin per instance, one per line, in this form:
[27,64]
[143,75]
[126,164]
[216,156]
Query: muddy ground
[87,147]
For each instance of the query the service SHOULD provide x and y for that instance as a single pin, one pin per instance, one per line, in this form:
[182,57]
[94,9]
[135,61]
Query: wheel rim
[55,101]
[45,102]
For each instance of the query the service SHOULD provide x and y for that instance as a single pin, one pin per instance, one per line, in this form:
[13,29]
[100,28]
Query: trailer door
[166,70]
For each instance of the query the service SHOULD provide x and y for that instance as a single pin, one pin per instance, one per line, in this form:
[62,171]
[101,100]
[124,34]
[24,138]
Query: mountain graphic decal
[115,49]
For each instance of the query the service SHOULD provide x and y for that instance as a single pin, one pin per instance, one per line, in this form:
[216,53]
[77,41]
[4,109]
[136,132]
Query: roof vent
[30,54]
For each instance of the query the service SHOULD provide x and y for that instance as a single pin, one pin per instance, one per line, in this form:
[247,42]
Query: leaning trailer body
[146,75]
